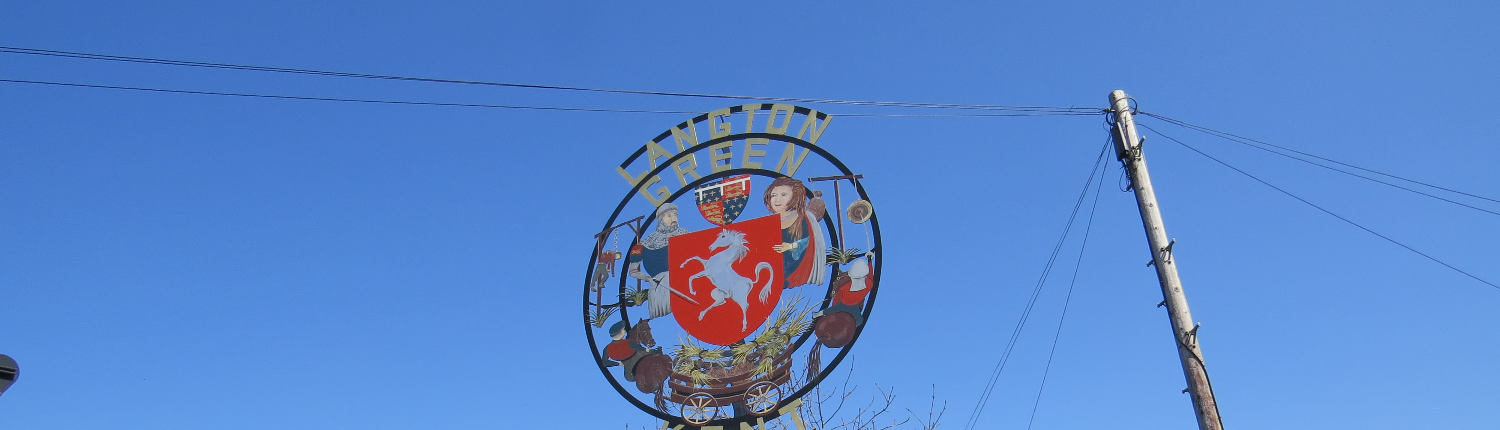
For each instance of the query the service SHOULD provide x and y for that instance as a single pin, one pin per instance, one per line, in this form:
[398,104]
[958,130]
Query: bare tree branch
[823,408]
[931,422]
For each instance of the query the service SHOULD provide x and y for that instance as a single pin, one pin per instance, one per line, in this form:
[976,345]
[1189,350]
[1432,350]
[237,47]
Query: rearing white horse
[728,284]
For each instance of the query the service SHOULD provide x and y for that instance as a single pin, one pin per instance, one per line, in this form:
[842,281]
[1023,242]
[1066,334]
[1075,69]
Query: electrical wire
[333,99]
[479,105]
[1262,146]
[1088,227]
[1015,334]
[1320,208]
[227,66]
[970,115]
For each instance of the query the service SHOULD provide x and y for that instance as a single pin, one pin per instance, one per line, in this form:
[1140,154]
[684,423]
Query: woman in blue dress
[803,248]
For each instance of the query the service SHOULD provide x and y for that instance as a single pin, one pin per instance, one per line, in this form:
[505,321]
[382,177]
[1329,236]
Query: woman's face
[780,197]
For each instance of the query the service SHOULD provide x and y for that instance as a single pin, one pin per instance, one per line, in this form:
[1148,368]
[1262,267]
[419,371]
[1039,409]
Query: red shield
[728,278]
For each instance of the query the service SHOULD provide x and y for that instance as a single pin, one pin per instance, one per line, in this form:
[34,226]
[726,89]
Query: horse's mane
[740,250]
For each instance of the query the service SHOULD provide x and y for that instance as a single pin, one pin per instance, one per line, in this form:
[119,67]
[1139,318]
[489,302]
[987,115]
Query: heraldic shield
[722,200]
[728,279]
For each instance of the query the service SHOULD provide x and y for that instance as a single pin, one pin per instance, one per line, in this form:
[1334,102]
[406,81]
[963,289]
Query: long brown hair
[798,201]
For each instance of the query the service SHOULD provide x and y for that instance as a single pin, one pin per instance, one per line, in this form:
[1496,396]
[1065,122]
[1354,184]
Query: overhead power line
[1320,208]
[478,105]
[334,99]
[1283,151]
[201,64]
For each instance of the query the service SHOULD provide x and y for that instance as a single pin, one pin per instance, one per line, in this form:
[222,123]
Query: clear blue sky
[196,262]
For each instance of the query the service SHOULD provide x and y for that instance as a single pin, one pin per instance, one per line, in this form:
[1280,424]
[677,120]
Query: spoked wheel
[762,398]
[698,409]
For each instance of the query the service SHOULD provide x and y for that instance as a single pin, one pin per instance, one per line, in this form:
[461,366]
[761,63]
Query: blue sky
[178,261]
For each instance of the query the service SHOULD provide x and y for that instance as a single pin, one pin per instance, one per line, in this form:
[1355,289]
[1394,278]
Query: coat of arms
[730,276]
[721,200]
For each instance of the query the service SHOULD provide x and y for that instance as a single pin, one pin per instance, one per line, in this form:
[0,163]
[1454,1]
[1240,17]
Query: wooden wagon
[757,393]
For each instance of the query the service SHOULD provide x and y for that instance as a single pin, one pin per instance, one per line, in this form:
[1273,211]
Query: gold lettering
[685,138]
[691,169]
[631,179]
[718,125]
[664,426]
[785,123]
[792,409]
[662,193]
[750,109]
[790,159]
[654,151]
[750,151]
[759,422]
[720,152]
[711,428]
[817,130]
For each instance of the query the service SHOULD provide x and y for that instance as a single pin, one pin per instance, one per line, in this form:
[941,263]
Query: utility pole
[1128,150]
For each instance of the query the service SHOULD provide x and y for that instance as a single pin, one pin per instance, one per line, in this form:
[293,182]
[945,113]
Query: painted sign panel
[722,269]
[766,289]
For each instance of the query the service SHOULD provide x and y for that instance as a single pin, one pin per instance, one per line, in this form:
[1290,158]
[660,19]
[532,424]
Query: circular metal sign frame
[875,256]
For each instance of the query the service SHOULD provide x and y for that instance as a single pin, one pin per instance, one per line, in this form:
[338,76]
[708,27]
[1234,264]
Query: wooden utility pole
[1128,150]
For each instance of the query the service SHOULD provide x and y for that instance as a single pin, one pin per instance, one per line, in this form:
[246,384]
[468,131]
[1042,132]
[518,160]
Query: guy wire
[1031,302]
[1088,227]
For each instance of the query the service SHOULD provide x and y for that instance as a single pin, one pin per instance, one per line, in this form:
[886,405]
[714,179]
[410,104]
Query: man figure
[648,260]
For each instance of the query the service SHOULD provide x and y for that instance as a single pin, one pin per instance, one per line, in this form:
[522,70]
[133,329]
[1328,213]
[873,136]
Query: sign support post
[1128,150]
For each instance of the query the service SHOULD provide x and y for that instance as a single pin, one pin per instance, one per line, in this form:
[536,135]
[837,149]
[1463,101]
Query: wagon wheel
[698,409]
[762,398]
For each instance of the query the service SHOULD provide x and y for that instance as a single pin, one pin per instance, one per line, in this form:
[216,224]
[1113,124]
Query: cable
[1255,144]
[1031,303]
[971,115]
[481,105]
[1088,227]
[145,60]
[331,99]
[1189,126]
[1315,206]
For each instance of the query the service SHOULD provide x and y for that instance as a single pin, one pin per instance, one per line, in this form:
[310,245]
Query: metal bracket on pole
[1192,335]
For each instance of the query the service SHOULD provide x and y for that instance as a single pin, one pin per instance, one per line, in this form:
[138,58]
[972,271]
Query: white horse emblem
[727,283]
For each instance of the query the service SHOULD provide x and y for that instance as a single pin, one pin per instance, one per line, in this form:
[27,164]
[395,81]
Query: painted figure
[627,347]
[604,268]
[803,248]
[849,292]
[648,260]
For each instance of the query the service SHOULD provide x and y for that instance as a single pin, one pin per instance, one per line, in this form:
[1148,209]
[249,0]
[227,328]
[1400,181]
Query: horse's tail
[765,290]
